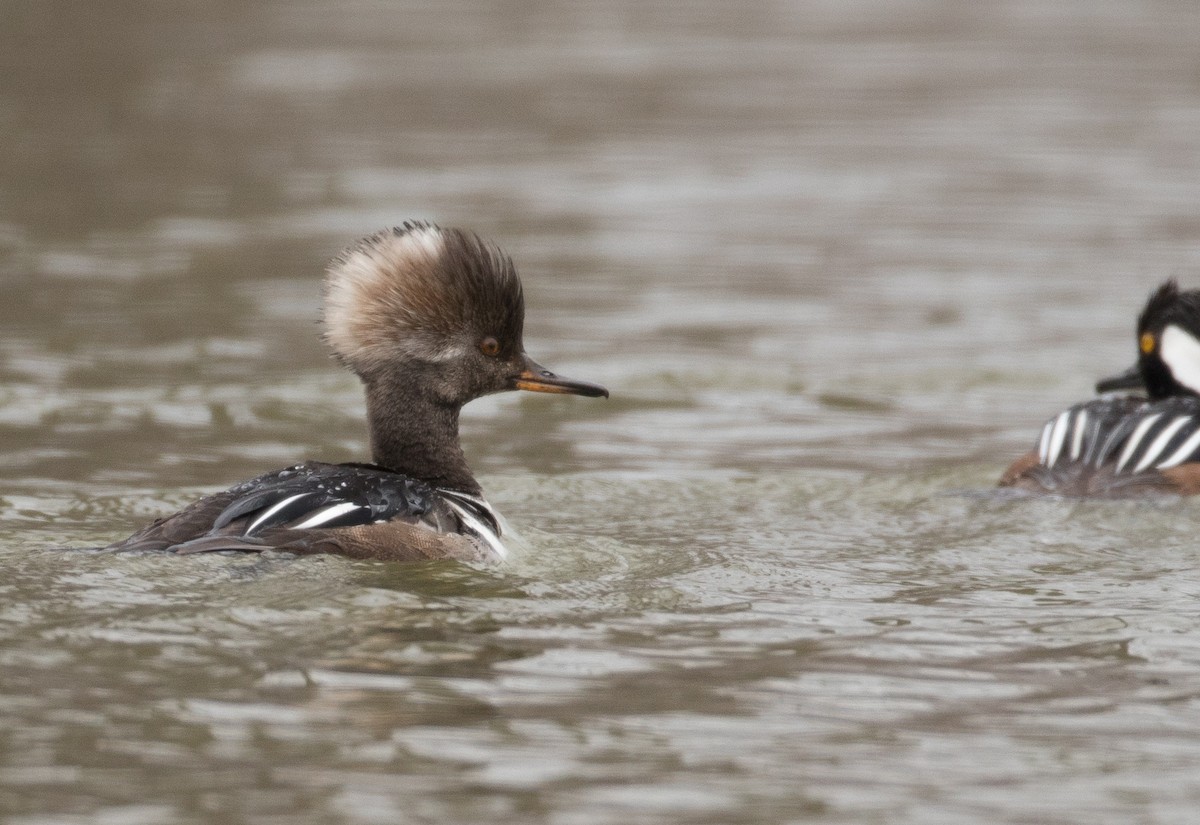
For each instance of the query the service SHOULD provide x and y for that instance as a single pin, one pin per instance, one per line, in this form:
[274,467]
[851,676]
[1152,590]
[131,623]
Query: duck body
[429,319]
[354,510]
[1121,447]
[1128,446]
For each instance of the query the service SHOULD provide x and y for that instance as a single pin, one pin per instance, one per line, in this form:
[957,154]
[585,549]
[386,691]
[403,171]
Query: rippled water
[836,262]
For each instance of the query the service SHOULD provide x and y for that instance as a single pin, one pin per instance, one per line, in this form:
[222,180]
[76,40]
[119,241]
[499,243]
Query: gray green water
[836,262]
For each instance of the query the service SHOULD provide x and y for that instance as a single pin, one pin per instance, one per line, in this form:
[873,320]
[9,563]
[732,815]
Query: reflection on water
[837,263]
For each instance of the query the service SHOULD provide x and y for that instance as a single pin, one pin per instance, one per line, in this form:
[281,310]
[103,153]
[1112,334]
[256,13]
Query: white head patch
[1180,351]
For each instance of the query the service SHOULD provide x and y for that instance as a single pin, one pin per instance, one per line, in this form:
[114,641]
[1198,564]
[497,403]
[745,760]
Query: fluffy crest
[420,293]
[1170,305]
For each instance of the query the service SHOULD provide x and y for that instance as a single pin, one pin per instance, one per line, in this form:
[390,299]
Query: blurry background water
[836,261]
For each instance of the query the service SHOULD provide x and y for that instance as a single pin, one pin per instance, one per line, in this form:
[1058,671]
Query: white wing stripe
[1058,437]
[1110,444]
[1044,443]
[1077,440]
[1136,439]
[1159,444]
[479,528]
[1183,453]
[326,514]
[272,510]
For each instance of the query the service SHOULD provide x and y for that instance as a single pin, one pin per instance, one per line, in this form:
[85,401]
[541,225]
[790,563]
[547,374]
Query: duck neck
[417,435]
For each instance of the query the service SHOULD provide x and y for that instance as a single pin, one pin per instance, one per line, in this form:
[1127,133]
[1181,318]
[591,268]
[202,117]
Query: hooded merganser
[429,319]
[1126,446]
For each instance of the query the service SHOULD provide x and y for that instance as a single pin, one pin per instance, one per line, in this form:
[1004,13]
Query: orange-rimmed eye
[490,347]
[1147,342]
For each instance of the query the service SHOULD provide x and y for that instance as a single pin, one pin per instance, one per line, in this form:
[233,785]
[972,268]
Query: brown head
[439,309]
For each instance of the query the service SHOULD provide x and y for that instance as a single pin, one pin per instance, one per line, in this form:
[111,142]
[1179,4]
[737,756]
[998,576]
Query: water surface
[836,262]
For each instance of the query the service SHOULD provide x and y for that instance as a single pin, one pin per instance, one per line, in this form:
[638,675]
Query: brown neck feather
[417,435]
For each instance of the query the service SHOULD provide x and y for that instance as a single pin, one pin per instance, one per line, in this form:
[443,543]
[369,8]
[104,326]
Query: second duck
[1126,446]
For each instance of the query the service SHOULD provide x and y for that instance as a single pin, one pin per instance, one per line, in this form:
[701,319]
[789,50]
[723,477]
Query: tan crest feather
[418,292]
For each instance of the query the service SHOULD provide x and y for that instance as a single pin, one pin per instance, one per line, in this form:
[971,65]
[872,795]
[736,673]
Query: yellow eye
[1147,342]
[490,347]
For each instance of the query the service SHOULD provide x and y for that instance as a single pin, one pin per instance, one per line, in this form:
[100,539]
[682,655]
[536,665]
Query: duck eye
[490,347]
[1147,342]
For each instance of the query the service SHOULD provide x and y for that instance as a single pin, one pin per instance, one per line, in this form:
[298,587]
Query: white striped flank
[1057,437]
[1159,444]
[1077,434]
[1111,440]
[1044,443]
[1185,451]
[326,515]
[270,511]
[480,529]
[475,524]
[1180,351]
[1135,440]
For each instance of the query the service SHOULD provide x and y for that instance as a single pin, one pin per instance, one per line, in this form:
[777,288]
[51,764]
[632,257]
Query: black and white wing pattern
[315,497]
[476,518]
[314,494]
[1127,436]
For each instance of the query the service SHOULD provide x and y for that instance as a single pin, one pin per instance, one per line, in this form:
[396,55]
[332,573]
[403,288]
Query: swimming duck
[1123,446]
[429,319]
